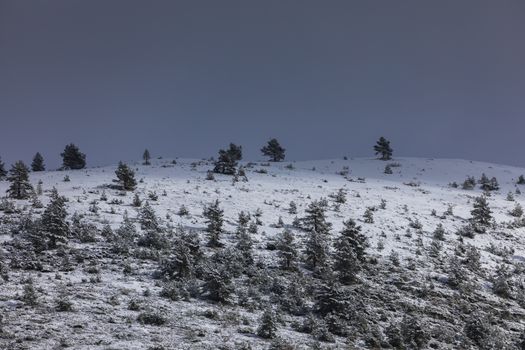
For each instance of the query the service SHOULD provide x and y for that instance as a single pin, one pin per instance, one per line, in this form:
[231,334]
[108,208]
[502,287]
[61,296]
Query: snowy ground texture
[414,290]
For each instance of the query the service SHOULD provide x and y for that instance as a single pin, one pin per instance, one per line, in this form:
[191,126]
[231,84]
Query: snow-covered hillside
[403,297]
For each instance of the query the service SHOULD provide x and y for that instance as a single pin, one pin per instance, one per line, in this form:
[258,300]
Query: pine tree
[521,178]
[148,219]
[146,157]
[332,298]
[494,185]
[316,251]
[242,223]
[439,233]
[186,255]
[287,250]
[501,285]
[73,158]
[349,255]
[38,163]
[268,325]
[368,216]
[293,208]
[414,332]
[227,161]
[245,247]
[126,177]
[137,202]
[3,172]
[483,181]
[488,185]
[54,225]
[273,150]
[217,283]
[383,148]
[245,242]
[125,235]
[517,211]
[478,329]
[19,177]
[214,220]
[181,265]
[457,274]
[481,213]
[469,183]
[315,219]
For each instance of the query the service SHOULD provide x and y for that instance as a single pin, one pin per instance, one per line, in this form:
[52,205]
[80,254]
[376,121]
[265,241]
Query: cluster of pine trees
[73,159]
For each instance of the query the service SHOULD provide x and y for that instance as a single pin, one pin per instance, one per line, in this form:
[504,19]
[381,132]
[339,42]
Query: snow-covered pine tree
[72,158]
[147,218]
[383,148]
[494,185]
[517,211]
[292,209]
[218,284]
[500,284]
[227,161]
[214,221]
[483,181]
[125,236]
[146,157]
[20,187]
[273,150]
[316,248]
[245,247]
[439,233]
[487,184]
[349,252]
[268,325]
[242,223]
[137,202]
[38,163]
[469,183]
[331,297]
[368,216]
[316,251]
[180,265]
[54,224]
[315,219]
[126,177]
[481,213]
[185,257]
[287,250]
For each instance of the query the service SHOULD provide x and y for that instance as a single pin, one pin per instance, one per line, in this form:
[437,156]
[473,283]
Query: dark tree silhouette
[73,158]
[146,156]
[126,177]
[19,177]
[227,161]
[273,150]
[383,148]
[38,163]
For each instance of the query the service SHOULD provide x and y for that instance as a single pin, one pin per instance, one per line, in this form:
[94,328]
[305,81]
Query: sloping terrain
[462,287]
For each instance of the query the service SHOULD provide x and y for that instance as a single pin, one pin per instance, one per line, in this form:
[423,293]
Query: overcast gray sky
[184,78]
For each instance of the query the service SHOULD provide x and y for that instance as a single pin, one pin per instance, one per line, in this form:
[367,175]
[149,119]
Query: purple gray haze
[327,78]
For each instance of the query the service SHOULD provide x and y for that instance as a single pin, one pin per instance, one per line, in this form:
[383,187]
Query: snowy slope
[416,188]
